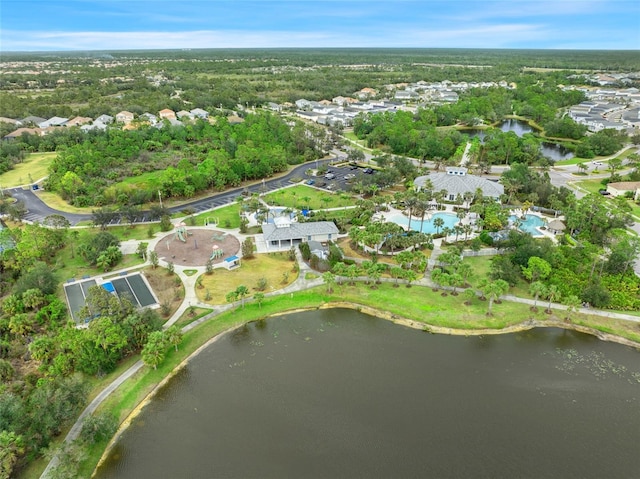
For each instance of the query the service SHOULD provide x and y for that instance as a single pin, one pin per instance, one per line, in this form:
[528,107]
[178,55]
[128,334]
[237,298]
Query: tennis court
[132,287]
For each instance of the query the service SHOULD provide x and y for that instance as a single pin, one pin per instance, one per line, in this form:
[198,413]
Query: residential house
[125,117]
[621,188]
[105,119]
[55,121]
[284,234]
[10,121]
[185,115]
[21,131]
[456,181]
[150,117]
[167,114]
[200,113]
[32,120]
[78,121]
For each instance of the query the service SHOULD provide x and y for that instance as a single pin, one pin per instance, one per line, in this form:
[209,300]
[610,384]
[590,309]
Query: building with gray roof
[284,233]
[456,181]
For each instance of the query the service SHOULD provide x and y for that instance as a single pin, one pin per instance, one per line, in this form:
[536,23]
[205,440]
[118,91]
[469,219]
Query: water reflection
[549,150]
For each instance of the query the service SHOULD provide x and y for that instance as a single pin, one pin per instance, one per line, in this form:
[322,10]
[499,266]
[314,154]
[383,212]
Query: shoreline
[399,320]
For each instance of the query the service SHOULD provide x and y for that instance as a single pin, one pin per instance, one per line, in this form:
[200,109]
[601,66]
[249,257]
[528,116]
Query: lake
[339,394]
[550,150]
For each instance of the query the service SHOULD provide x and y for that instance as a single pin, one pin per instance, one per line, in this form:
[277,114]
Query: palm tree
[259,298]
[537,289]
[573,303]
[330,280]
[438,223]
[173,335]
[396,273]
[456,280]
[410,275]
[469,294]
[410,203]
[493,290]
[553,294]
[436,276]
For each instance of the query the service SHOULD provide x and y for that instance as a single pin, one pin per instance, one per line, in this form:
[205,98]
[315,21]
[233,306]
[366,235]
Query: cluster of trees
[415,135]
[40,353]
[179,161]
[601,277]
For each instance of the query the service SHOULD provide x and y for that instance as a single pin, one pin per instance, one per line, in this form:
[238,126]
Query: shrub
[165,223]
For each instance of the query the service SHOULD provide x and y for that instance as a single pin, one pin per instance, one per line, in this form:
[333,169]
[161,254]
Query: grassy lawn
[303,196]
[227,215]
[55,202]
[592,186]
[34,167]
[272,267]
[576,160]
[69,264]
[481,265]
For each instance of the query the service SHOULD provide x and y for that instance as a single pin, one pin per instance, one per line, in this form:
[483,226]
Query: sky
[56,25]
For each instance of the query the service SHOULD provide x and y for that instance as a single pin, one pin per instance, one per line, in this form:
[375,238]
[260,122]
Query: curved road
[37,210]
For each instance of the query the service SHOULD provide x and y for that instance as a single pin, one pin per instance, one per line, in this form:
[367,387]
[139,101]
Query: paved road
[37,210]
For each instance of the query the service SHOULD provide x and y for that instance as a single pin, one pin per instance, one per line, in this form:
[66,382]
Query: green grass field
[33,168]
[302,196]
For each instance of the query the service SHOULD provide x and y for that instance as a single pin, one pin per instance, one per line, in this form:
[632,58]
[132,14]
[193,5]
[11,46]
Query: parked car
[368,171]
[350,176]
[311,182]
[604,192]
[329,176]
[353,165]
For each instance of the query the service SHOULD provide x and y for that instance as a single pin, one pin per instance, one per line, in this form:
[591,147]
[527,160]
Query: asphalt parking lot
[344,177]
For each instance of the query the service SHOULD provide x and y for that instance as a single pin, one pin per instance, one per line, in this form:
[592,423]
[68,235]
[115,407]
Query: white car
[329,176]
[597,163]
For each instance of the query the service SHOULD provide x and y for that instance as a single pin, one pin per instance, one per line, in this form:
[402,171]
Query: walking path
[300,284]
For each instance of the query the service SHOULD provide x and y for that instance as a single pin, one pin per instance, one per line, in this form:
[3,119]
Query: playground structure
[180,233]
[216,253]
[200,246]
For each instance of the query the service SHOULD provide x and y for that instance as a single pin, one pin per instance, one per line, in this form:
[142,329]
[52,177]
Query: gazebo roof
[556,225]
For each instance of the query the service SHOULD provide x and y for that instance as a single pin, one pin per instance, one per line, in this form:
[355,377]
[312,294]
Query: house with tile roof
[124,116]
[167,114]
[78,121]
[456,181]
[21,131]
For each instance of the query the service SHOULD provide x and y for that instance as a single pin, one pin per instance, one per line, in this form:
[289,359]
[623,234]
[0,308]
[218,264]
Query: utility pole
[160,198]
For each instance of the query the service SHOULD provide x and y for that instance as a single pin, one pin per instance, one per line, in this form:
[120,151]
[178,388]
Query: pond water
[555,152]
[339,394]
[427,225]
[550,150]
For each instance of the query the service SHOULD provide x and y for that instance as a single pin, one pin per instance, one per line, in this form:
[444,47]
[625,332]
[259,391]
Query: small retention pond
[339,394]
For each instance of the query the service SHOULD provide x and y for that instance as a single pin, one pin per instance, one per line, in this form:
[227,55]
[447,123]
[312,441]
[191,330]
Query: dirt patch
[167,287]
[197,247]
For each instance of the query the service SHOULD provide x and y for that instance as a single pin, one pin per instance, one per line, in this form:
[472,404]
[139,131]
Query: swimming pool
[427,227]
[530,224]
